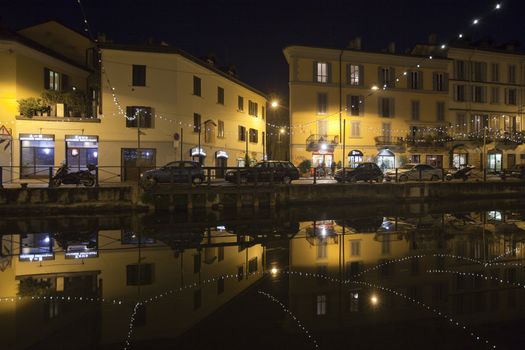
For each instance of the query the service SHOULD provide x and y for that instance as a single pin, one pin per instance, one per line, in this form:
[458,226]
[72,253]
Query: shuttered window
[138,75]
[322,103]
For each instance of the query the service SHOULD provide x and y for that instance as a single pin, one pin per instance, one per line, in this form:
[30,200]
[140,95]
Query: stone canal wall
[127,198]
[35,200]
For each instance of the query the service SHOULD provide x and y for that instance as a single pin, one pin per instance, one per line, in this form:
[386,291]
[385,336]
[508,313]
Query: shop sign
[81,138]
[36,137]
[195,152]
[221,154]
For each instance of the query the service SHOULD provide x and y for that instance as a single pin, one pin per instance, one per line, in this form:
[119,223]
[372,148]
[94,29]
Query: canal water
[442,276]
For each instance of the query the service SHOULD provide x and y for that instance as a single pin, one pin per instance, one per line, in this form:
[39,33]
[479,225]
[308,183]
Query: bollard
[50,177]
[96,176]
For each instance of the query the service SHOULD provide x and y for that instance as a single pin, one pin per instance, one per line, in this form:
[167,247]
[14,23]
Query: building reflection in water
[113,268]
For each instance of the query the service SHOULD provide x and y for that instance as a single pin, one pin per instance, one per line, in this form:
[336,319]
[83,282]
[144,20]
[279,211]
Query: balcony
[429,141]
[394,143]
[321,143]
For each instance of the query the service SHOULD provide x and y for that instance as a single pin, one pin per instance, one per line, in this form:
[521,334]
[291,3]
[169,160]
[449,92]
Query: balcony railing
[326,143]
[389,141]
[436,140]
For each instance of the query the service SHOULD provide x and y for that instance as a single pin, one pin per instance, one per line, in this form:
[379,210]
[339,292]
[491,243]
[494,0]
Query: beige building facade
[158,99]
[349,106]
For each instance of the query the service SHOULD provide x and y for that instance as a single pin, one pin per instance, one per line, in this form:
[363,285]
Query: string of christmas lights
[485,277]
[508,252]
[131,326]
[286,310]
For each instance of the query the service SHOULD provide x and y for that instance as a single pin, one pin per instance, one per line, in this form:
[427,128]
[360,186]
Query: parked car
[282,171]
[178,172]
[517,171]
[411,171]
[363,172]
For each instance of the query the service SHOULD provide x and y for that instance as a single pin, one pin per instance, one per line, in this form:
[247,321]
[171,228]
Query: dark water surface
[444,276]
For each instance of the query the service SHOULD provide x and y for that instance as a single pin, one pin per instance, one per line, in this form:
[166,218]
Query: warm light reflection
[374,300]
[274,104]
[274,271]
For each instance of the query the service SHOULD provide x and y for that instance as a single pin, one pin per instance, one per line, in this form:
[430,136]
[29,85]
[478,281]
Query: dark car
[178,172]
[517,171]
[363,172]
[282,171]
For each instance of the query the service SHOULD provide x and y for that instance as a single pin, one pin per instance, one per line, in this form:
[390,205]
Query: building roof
[173,50]
[15,37]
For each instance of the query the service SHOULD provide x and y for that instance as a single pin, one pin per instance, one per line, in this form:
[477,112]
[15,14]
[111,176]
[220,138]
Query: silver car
[414,171]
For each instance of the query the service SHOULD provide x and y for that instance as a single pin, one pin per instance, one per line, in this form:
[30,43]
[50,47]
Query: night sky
[252,34]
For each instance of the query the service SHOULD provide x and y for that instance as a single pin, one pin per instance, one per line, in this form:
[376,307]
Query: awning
[221,154]
[195,152]
[386,152]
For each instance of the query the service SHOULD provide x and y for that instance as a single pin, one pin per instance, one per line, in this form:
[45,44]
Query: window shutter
[348,104]
[455,91]
[46,78]
[329,72]
[506,96]
[314,70]
[380,77]
[361,105]
[392,107]
[409,80]
[348,73]
[64,82]
[445,81]
[435,81]
[361,75]
[420,80]
[392,77]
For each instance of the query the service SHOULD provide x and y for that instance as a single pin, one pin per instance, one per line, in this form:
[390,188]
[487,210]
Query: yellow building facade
[350,106]
[170,94]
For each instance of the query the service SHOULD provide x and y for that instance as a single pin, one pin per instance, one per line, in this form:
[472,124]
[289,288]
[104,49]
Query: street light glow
[374,88]
[374,300]
[282,131]
[274,271]
[274,104]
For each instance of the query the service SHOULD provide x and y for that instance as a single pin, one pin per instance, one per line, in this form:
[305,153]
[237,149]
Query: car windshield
[407,166]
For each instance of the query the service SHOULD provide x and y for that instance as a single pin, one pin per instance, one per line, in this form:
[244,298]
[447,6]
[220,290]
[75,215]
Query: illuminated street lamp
[274,104]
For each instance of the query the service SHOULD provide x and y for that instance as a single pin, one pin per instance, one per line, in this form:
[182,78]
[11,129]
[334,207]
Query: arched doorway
[386,159]
[459,157]
[494,160]
[198,155]
[221,162]
[354,158]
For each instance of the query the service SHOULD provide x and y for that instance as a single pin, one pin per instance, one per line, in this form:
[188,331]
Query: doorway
[386,160]
[511,160]
[221,163]
[494,161]
[318,159]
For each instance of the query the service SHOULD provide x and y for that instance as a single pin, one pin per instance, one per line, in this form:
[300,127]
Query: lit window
[321,305]
[322,72]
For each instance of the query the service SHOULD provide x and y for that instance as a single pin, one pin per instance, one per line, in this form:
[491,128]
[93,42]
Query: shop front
[435,160]
[322,159]
[37,154]
[494,160]
[354,158]
[386,159]
[221,162]
[6,146]
[81,151]
[198,155]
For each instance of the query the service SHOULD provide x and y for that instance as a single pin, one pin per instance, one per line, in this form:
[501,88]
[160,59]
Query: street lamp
[274,104]
[199,146]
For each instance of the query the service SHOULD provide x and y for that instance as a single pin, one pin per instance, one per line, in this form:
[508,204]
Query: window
[321,305]
[387,77]
[440,111]
[196,86]
[139,115]
[415,110]
[494,94]
[355,129]
[415,80]
[511,123]
[354,74]
[254,136]
[196,263]
[415,158]
[36,156]
[220,95]
[478,94]
[322,72]
[252,108]
[495,72]
[220,285]
[440,81]
[220,129]
[459,93]
[242,133]
[511,96]
[196,122]
[139,75]
[240,103]
[478,123]
[354,105]
[479,71]
[386,107]
[263,139]
[355,248]
[252,265]
[512,73]
[460,70]
[263,112]
[139,274]
[321,250]
[209,132]
[51,80]
[322,103]
[353,302]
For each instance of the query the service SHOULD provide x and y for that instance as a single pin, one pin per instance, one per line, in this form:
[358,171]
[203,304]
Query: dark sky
[252,34]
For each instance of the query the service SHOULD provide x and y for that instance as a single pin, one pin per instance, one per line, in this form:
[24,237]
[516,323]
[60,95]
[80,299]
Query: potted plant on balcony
[29,107]
[52,99]
[77,103]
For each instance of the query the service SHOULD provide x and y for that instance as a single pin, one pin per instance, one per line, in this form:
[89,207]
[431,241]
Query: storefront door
[319,159]
[135,163]
[459,160]
[221,163]
[37,155]
[511,160]
[81,151]
[386,160]
[494,162]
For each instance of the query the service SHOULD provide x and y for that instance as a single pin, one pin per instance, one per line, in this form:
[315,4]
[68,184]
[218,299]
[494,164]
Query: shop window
[135,162]
[37,154]
[139,274]
[415,158]
[139,115]
[36,247]
[435,160]
[321,305]
[81,151]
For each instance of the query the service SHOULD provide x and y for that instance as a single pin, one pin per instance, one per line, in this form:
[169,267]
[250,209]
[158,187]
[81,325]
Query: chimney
[432,39]
[391,47]
[355,43]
